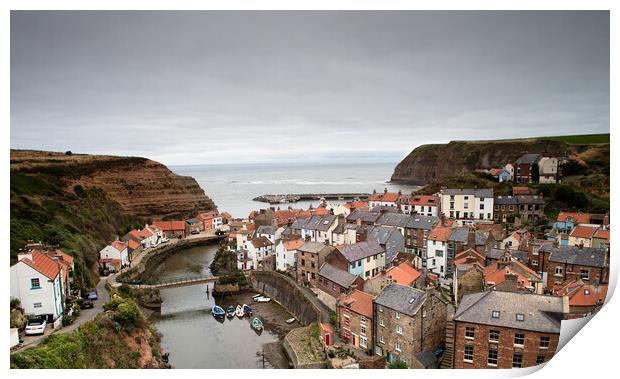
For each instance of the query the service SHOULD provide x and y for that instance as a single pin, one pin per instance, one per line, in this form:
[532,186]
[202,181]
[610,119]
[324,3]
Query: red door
[327,339]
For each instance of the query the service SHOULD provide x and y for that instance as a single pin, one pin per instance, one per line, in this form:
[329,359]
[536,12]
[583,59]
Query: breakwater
[292,198]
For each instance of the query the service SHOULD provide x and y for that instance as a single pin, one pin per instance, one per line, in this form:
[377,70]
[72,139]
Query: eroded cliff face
[428,163]
[143,188]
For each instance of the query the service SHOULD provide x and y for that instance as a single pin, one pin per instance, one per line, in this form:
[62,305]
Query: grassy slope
[81,222]
[577,139]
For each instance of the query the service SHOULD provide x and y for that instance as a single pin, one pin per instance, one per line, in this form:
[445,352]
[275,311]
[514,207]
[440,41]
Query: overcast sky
[216,87]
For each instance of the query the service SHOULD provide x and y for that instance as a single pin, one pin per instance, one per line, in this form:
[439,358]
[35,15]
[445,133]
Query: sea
[233,186]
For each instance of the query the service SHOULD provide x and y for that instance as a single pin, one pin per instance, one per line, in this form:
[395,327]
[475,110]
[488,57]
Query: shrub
[128,314]
[67,320]
[398,364]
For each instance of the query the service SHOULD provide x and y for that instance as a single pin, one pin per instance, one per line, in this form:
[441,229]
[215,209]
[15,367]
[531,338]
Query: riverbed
[196,339]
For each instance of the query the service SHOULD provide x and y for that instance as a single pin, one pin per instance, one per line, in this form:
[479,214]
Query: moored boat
[230,311]
[239,311]
[247,310]
[290,320]
[257,324]
[262,299]
[218,311]
[257,295]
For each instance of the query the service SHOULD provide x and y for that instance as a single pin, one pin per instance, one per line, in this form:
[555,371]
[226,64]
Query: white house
[259,248]
[473,204]
[117,250]
[268,231]
[286,254]
[319,228]
[387,199]
[437,250]
[421,204]
[548,170]
[509,168]
[36,282]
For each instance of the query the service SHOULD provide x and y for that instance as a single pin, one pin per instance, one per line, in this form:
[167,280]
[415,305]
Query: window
[368,259]
[544,342]
[492,359]
[517,359]
[534,262]
[519,339]
[470,332]
[362,329]
[382,339]
[380,308]
[520,317]
[493,335]
[37,305]
[559,271]
[585,274]
[540,359]
[363,320]
[495,314]
[482,206]
[468,356]
[363,342]
[586,292]
[397,315]
[34,283]
[382,322]
[397,346]
[399,329]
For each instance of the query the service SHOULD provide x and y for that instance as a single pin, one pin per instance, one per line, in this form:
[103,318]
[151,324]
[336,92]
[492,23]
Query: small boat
[262,299]
[257,324]
[291,320]
[218,311]
[257,295]
[230,311]
[247,311]
[239,311]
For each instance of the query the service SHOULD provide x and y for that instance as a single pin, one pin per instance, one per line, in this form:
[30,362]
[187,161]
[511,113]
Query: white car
[36,325]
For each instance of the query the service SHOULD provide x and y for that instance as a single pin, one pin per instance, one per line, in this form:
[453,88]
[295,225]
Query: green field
[581,139]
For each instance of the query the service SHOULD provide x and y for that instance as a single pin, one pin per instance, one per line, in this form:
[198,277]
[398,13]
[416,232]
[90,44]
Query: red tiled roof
[602,234]
[576,292]
[359,302]
[170,225]
[403,274]
[145,233]
[321,211]
[390,197]
[424,200]
[462,257]
[133,244]
[440,233]
[520,190]
[581,231]
[293,244]
[118,245]
[495,171]
[578,218]
[43,264]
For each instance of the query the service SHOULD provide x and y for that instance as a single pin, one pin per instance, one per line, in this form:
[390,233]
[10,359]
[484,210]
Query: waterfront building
[496,329]
[286,254]
[467,204]
[425,205]
[116,250]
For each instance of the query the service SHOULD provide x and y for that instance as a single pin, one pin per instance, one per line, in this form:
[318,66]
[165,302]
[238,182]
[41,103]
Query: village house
[407,321]
[467,204]
[531,207]
[193,226]
[519,239]
[582,235]
[386,198]
[364,259]
[398,221]
[37,281]
[363,217]
[211,220]
[403,274]
[310,257]
[566,221]
[494,255]
[336,282]
[505,208]
[441,250]
[389,238]
[286,254]
[523,168]
[268,231]
[264,217]
[496,329]
[468,274]
[286,217]
[574,262]
[355,319]
[583,299]
[437,250]
[510,275]
[419,204]
[259,248]
[350,206]
[317,228]
[548,170]
[114,256]
[171,229]
[416,233]
[601,238]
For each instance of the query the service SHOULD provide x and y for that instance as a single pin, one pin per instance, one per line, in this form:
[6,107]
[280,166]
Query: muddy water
[192,336]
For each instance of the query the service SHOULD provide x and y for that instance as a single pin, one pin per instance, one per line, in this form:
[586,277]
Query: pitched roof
[293,244]
[528,159]
[336,275]
[476,192]
[261,241]
[43,264]
[578,218]
[266,229]
[582,231]
[581,294]
[360,250]
[133,245]
[422,222]
[541,313]
[403,274]
[440,233]
[404,299]
[363,216]
[505,200]
[170,225]
[602,234]
[359,302]
[584,256]
[520,190]
[311,247]
[119,245]
[399,220]
[423,200]
[319,223]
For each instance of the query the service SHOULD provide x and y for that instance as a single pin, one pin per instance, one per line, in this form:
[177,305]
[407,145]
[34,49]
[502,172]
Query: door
[327,339]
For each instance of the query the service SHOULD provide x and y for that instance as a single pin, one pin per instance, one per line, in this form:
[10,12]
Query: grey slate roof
[193,221]
[391,238]
[320,223]
[399,220]
[530,199]
[336,275]
[505,200]
[519,255]
[364,216]
[266,229]
[385,208]
[461,233]
[422,222]
[542,313]
[403,299]
[427,359]
[311,247]
[528,159]
[299,223]
[477,192]
[360,250]
[586,256]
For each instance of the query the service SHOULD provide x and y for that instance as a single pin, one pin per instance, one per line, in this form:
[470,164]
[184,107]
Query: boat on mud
[247,311]
[257,324]
[239,311]
[230,311]
[218,311]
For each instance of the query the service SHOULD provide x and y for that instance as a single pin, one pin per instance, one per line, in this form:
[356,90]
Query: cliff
[82,202]
[430,163]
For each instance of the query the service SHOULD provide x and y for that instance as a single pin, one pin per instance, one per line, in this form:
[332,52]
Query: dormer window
[495,314]
[520,317]
[586,292]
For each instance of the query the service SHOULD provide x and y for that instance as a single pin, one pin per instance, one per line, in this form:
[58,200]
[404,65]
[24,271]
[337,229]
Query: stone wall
[284,290]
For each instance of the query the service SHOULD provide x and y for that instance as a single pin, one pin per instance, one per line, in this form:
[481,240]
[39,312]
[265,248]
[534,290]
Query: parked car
[87,304]
[195,232]
[36,325]
[92,295]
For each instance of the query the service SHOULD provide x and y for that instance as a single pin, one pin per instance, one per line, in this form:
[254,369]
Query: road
[85,315]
